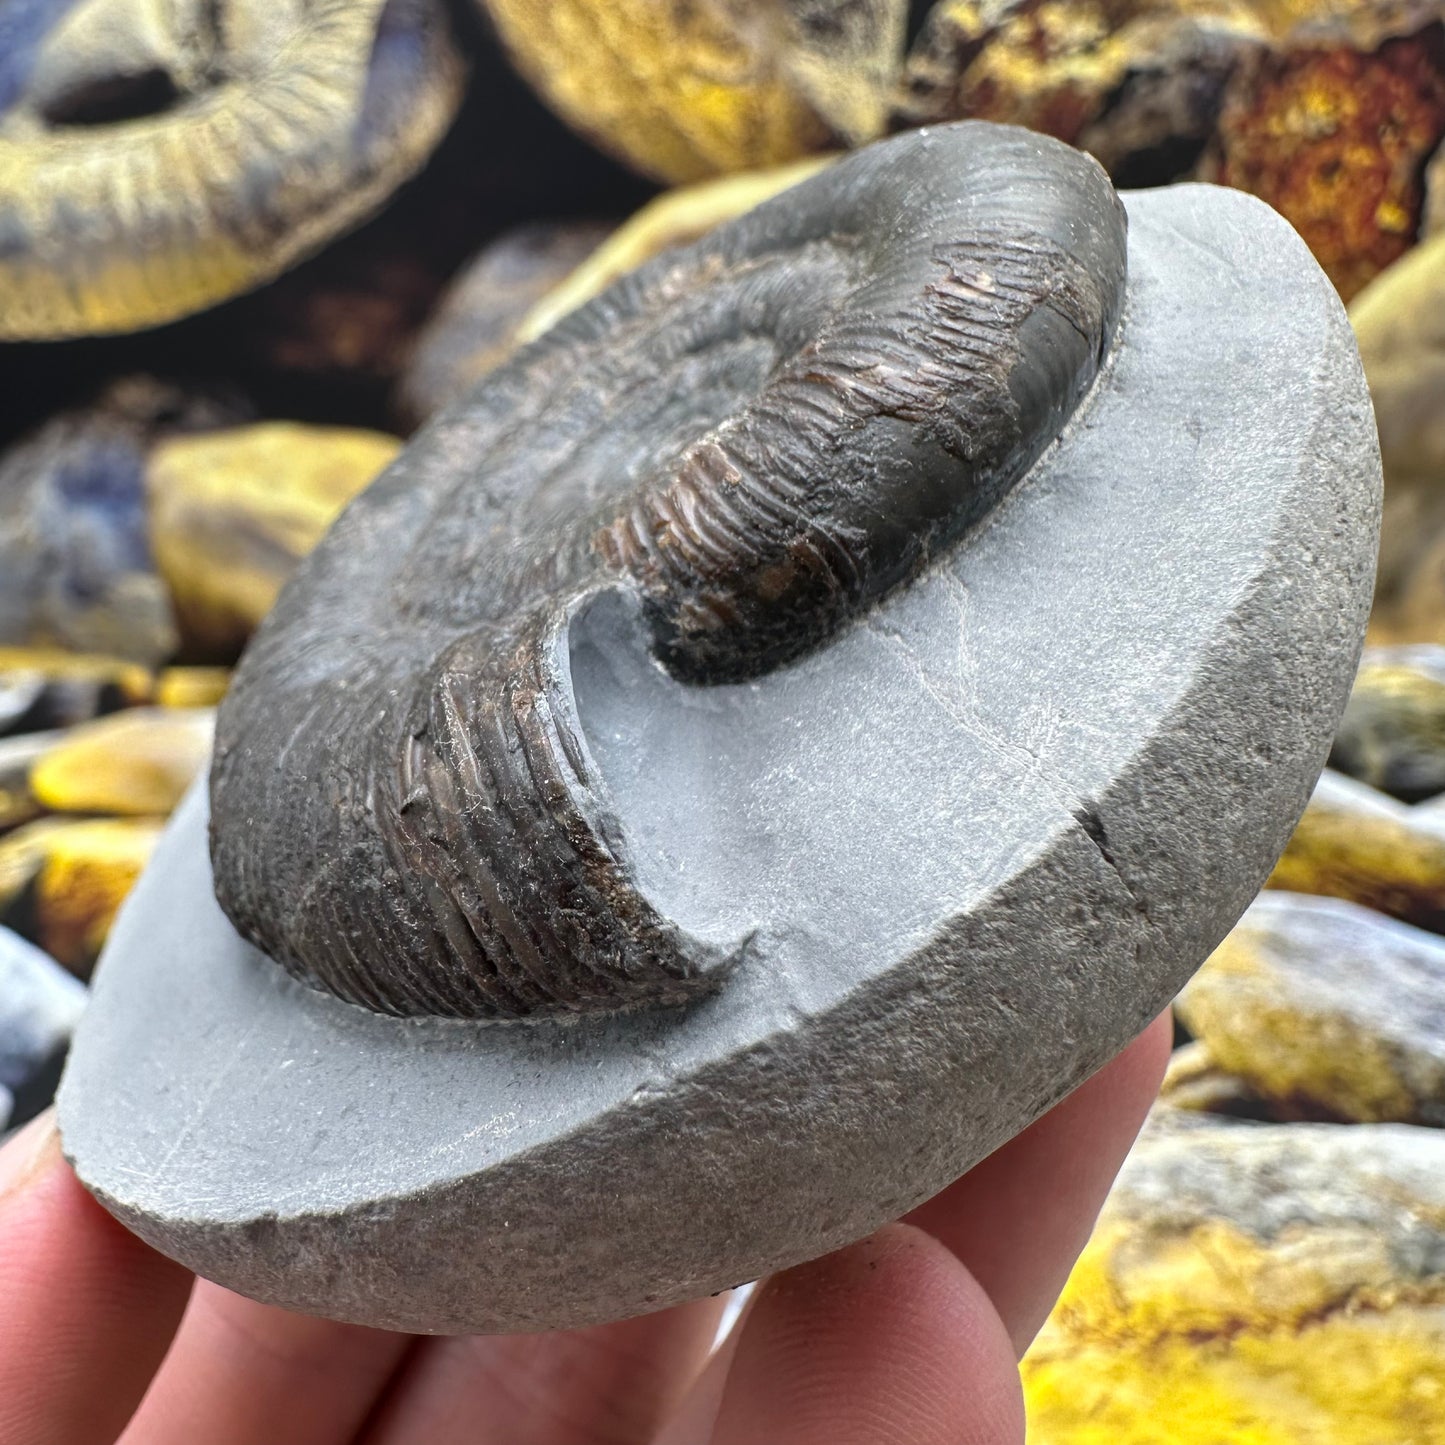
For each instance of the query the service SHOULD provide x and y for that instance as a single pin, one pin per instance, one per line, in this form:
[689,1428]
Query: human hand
[910,1337]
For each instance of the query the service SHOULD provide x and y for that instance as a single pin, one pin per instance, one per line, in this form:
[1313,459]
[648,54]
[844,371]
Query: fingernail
[28,1153]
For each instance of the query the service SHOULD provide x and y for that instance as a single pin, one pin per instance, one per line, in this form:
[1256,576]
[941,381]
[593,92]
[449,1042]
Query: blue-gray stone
[39,1006]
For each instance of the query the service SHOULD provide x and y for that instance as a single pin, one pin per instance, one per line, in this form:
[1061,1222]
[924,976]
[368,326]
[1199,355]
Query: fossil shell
[688,91]
[673,219]
[751,440]
[157,158]
[976,842]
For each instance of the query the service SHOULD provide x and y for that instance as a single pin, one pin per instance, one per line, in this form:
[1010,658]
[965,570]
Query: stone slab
[981,840]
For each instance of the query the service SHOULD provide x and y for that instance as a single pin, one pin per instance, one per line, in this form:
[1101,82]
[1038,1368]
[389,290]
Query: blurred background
[248,246]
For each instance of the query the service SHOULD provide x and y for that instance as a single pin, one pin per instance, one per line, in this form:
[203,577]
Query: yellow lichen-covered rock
[191,686]
[1359,844]
[158,158]
[1328,109]
[17,756]
[63,880]
[1256,1285]
[1197,1082]
[232,512]
[43,687]
[1399,322]
[685,91]
[1392,735]
[1327,1009]
[134,764]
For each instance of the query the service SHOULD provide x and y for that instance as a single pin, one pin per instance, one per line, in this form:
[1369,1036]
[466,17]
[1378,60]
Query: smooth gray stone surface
[39,1006]
[982,839]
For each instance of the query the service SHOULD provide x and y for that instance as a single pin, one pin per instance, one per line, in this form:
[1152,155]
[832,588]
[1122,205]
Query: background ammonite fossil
[159,156]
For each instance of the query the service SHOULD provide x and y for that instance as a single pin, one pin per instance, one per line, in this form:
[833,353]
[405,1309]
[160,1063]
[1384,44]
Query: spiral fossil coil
[754,439]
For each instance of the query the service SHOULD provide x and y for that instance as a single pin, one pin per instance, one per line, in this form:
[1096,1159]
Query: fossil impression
[753,439]
[159,156]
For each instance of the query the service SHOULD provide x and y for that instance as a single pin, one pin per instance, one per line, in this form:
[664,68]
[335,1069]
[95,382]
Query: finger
[610,1385]
[696,1415]
[888,1342]
[1019,1219]
[242,1373]
[88,1309]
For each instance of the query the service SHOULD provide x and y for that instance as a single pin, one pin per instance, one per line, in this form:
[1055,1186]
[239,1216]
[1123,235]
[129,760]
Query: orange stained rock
[1335,139]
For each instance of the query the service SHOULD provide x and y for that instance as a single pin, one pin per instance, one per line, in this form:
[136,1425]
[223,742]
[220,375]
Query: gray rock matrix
[980,840]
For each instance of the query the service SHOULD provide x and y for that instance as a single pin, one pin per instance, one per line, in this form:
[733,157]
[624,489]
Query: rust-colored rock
[1328,109]
[1335,139]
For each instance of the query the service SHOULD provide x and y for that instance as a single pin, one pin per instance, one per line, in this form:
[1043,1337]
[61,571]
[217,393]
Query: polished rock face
[975,844]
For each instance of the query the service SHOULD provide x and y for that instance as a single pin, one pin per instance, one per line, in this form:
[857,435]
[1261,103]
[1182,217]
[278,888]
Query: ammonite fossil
[156,158]
[752,440]
[751,755]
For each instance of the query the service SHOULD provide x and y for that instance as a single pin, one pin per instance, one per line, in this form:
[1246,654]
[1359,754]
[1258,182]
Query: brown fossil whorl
[755,438]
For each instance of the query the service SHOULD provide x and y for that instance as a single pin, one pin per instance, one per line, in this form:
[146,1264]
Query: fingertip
[888,1342]
[1020,1218]
[90,1309]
